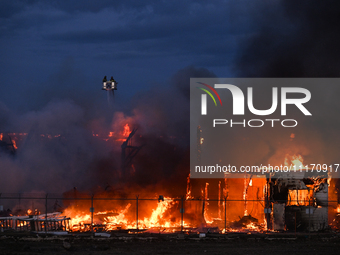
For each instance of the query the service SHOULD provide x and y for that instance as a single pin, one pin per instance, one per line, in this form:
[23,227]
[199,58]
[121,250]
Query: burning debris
[245,222]
[131,187]
[51,222]
[294,202]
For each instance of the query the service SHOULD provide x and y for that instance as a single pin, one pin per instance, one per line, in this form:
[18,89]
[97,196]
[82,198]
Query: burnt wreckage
[297,202]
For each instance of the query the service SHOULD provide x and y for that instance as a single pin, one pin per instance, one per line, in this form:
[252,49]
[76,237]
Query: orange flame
[14,144]
[188,195]
[295,160]
[80,220]
[126,131]
[206,199]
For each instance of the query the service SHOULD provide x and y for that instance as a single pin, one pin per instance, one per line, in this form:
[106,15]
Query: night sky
[54,55]
[62,49]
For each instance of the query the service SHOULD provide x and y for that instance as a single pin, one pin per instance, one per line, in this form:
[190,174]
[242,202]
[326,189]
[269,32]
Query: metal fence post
[137,212]
[92,210]
[182,212]
[309,212]
[225,215]
[46,212]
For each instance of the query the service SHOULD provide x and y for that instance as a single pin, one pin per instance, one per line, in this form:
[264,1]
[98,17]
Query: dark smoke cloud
[301,43]
[50,164]
[162,116]
[180,79]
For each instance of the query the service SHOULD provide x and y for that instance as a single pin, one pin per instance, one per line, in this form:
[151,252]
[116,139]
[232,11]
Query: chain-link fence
[56,212]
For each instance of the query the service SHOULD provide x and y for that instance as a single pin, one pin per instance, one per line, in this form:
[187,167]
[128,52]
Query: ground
[173,244]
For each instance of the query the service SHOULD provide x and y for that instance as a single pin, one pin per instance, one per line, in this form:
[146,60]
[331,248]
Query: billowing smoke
[66,147]
[54,154]
[293,40]
[299,41]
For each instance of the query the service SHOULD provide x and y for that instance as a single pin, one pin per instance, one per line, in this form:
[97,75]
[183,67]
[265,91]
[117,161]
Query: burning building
[299,200]
[134,176]
[296,201]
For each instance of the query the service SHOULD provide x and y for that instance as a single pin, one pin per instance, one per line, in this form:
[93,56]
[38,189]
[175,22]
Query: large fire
[241,204]
[159,217]
[166,214]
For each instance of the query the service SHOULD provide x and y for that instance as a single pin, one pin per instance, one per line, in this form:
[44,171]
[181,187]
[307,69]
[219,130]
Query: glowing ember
[252,226]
